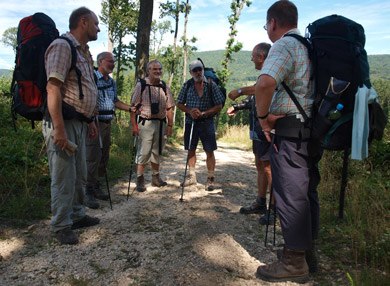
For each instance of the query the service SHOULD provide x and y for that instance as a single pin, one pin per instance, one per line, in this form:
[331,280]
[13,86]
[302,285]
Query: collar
[293,31]
[100,76]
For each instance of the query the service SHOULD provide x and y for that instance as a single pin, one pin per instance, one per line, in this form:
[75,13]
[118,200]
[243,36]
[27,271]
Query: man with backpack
[69,119]
[200,99]
[97,159]
[295,172]
[260,144]
[154,102]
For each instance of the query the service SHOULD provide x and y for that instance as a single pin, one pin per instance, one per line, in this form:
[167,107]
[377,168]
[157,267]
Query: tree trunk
[174,42]
[143,37]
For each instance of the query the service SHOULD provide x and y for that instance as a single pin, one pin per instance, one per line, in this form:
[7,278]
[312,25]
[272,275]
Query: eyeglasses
[198,69]
[265,26]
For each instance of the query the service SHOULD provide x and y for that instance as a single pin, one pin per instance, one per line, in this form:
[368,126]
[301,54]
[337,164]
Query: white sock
[139,174]
[155,172]
[191,171]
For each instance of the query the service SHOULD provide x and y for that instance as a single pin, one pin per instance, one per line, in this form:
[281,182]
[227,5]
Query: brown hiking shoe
[156,181]
[292,266]
[141,184]
[210,184]
[255,208]
[66,236]
[190,180]
[99,193]
[310,256]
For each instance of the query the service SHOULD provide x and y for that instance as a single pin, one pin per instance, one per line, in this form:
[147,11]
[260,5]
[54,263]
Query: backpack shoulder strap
[210,89]
[188,85]
[304,41]
[295,100]
[164,86]
[73,65]
[143,84]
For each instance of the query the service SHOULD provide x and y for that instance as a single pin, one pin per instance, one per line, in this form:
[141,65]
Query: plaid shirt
[166,101]
[58,59]
[207,101]
[288,61]
[107,95]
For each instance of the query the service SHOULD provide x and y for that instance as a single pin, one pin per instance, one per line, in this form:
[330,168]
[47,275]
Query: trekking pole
[104,161]
[133,153]
[132,164]
[268,215]
[188,156]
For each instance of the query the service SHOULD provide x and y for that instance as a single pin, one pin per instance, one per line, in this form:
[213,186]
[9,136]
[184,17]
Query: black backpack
[336,48]
[162,85]
[35,33]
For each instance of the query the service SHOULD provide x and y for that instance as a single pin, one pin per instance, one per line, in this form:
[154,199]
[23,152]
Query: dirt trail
[153,239]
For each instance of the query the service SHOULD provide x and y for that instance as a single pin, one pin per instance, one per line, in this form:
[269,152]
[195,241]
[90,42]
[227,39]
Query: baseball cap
[195,64]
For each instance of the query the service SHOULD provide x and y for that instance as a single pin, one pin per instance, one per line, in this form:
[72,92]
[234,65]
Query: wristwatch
[203,113]
[239,91]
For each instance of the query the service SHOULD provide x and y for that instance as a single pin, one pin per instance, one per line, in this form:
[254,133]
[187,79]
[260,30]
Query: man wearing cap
[200,99]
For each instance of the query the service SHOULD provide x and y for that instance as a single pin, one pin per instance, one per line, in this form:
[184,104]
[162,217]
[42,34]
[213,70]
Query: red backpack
[35,33]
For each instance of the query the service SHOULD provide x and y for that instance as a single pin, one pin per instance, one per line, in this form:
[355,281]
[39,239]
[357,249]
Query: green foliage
[10,37]
[379,66]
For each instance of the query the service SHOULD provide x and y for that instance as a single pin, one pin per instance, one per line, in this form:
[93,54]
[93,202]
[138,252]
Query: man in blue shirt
[97,159]
[200,99]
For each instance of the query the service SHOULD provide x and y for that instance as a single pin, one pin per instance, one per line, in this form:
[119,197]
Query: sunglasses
[198,69]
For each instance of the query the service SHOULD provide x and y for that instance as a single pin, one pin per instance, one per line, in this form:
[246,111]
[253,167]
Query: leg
[93,158]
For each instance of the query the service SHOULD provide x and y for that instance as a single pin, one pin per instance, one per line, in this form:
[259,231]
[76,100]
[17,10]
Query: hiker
[260,145]
[97,159]
[297,174]
[154,121]
[200,103]
[69,173]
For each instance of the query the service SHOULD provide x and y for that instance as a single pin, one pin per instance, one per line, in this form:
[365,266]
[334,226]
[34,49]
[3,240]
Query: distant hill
[243,70]
[4,72]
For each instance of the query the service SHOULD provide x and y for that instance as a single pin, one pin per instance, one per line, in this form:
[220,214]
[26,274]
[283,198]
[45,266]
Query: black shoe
[90,200]
[264,219]
[66,236]
[254,208]
[99,193]
[86,222]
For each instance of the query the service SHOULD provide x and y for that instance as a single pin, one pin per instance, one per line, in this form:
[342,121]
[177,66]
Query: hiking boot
[254,208]
[99,193]
[310,256]
[86,222]
[141,184]
[210,184]
[89,199]
[66,236]
[156,181]
[291,266]
[190,180]
[263,220]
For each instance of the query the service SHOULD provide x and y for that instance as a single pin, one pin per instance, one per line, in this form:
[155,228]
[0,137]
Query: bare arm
[122,106]
[170,121]
[54,104]
[247,90]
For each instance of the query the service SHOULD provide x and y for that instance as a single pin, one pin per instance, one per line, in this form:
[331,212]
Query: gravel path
[154,239]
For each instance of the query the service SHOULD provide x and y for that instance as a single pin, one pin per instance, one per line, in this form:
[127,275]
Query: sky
[208,21]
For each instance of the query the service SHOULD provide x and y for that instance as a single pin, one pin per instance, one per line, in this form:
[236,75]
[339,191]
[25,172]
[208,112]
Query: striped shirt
[107,95]
[207,101]
[288,61]
[165,101]
[58,60]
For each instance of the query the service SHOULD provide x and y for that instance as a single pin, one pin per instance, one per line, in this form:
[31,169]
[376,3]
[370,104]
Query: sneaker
[190,180]
[264,219]
[86,222]
[210,184]
[90,200]
[141,184]
[254,208]
[99,193]
[156,181]
[66,236]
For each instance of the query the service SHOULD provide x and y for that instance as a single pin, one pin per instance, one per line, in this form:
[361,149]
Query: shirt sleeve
[136,96]
[116,99]
[58,59]
[170,100]
[217,93]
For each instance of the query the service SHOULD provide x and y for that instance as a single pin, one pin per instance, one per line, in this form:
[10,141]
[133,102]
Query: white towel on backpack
[361,128]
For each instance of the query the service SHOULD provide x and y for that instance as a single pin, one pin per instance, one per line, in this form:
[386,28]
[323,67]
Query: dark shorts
[203,130]
[261,149]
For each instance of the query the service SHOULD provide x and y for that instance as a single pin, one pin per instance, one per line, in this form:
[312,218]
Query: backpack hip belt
[292,127]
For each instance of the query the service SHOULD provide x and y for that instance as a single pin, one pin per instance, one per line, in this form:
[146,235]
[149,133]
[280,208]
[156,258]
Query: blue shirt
[107,95]
[207,101]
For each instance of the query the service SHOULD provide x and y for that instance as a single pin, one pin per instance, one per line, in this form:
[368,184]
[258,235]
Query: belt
[108,121]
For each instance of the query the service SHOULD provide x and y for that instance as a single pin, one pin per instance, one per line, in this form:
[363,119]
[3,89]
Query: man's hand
[231,111]
[233,94]
[268,124]
[195,113]
[60,138]
[92,130]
